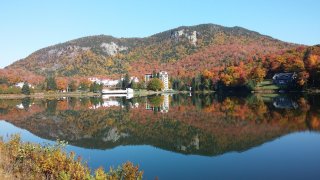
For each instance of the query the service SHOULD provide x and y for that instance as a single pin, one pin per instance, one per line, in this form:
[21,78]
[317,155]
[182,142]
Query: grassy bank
[266,86]
[20,160]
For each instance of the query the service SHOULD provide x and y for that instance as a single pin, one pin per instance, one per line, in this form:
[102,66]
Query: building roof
[279,76]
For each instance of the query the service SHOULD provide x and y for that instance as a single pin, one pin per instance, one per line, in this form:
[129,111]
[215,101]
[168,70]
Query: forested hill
[182,51]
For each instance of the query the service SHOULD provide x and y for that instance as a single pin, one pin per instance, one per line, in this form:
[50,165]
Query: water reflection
[202,124]
[158,103]
[284,102]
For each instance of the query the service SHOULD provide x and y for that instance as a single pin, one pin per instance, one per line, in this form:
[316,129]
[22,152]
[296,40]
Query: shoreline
[138,93]
[48,95]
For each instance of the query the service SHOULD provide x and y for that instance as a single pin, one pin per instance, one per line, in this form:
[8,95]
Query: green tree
[51,84]
[125,82]
[134,85]
[95,87]
[155,84]
[196,83]
[25,89]
[83,86]
[176,84]
[4,80]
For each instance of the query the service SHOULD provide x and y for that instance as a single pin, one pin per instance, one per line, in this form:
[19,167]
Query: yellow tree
[258,74]
[62,83]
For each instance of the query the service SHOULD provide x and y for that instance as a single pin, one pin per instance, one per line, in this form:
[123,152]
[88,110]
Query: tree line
[304,61]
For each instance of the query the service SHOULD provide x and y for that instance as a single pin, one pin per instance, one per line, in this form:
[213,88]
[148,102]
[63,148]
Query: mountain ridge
[112,56]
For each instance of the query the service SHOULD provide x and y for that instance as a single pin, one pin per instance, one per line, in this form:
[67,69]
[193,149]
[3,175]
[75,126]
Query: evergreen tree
[176,84]
[195,84]
[83,87]
[25,89]
[51,84]
[125,82]
[95,87]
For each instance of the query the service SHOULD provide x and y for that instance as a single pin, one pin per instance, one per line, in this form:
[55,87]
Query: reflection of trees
[51,106]
[72,102]
[84,101]
[95,101]
[26,103]
[156,101]
[202,124]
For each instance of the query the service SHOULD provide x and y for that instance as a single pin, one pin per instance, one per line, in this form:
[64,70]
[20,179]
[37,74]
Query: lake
[180,136]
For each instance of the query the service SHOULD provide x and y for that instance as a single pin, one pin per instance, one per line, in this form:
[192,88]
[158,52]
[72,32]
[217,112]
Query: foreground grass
[20,160]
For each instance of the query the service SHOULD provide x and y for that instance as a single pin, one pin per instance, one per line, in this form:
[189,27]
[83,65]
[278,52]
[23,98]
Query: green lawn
[266,85]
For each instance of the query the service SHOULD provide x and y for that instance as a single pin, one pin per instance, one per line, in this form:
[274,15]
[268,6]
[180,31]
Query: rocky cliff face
[185,33]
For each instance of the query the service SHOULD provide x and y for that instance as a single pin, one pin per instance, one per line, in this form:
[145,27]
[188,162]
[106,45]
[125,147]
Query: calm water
[180,136]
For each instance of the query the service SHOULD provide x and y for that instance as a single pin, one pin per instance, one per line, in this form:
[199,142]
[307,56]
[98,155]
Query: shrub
[32,161]
[4,89]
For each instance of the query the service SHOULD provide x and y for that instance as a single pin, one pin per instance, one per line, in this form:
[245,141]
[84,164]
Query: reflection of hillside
[203,125]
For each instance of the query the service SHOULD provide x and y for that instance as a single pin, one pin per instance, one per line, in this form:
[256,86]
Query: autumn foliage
[32,161]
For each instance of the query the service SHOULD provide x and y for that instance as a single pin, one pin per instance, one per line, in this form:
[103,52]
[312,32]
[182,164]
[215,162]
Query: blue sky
[29,25]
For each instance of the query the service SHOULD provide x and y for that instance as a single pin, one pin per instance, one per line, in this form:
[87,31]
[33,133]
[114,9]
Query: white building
[110,82]
[20,85]
[134,79]
[163,76]
[94,79]
[147,77]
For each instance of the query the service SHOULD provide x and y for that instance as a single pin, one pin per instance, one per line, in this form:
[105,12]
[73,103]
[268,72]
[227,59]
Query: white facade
[147,77]
[20,85]
[164,77]
[110,82]
[134,79]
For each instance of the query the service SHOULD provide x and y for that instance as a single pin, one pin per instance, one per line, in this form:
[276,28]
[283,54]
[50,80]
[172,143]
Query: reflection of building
[165,104]
[105,104]
[163,76]
[107,96]
[164,107]
[148,106]
[284,103]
